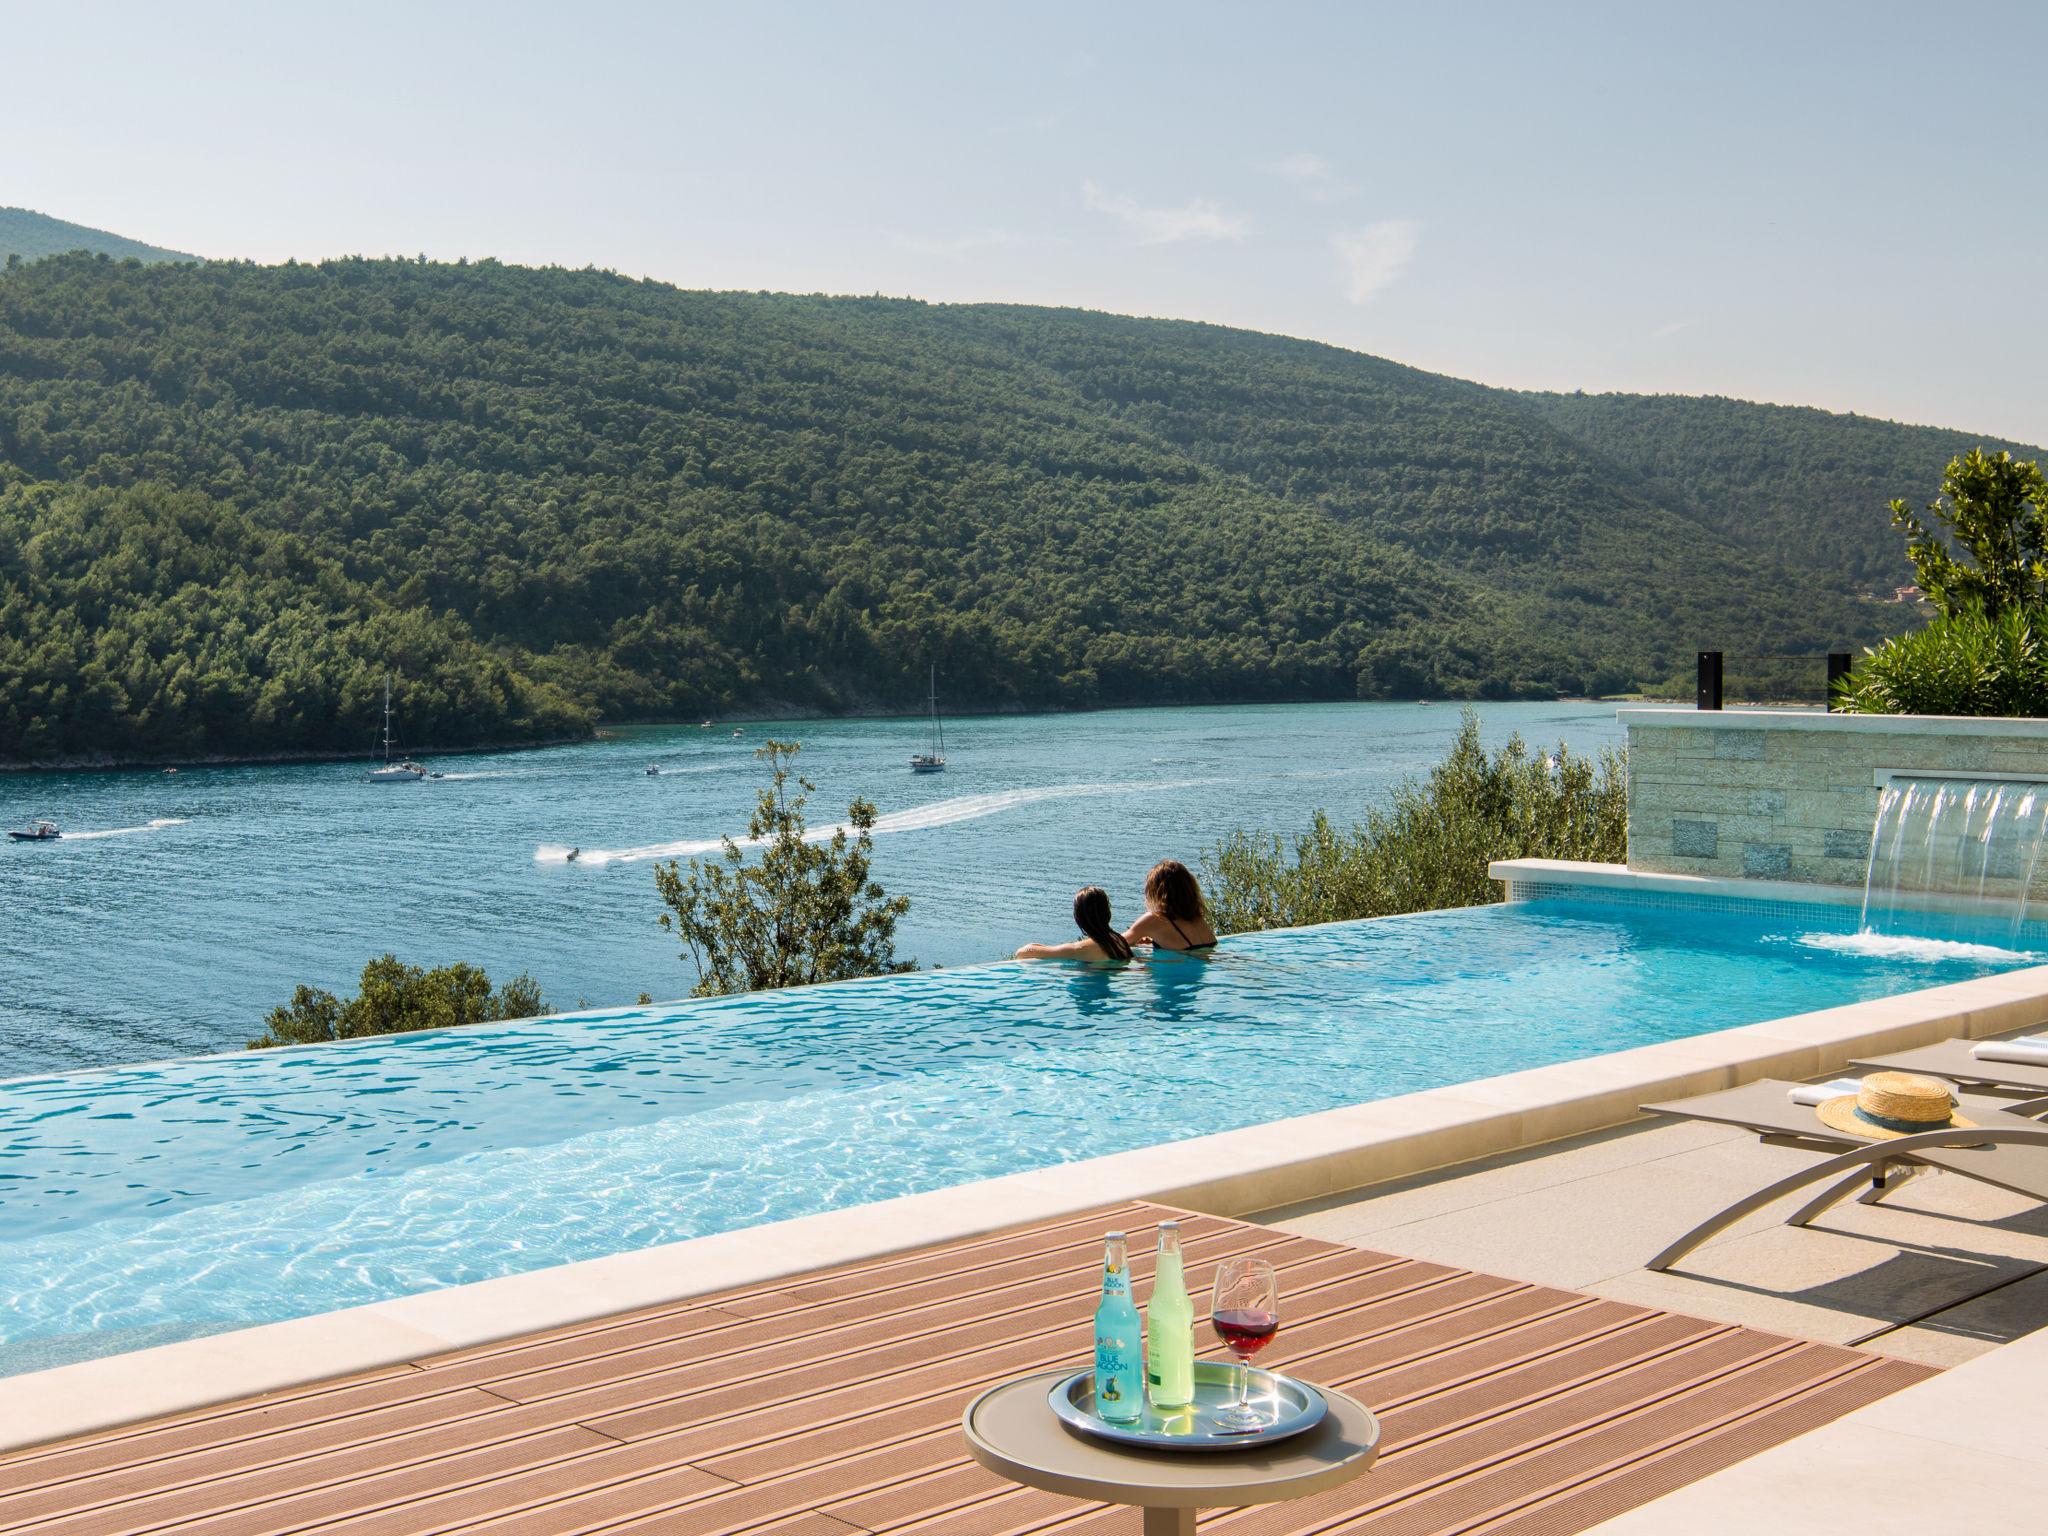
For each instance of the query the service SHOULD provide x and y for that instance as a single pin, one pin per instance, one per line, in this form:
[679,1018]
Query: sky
[1813,203]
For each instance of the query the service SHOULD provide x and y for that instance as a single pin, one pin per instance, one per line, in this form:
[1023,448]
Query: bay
[177,910]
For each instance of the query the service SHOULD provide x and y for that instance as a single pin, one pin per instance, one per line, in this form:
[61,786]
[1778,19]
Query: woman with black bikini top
[1176,918]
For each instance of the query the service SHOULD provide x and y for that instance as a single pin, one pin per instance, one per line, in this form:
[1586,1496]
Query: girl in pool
[1098,941]
[1176,917]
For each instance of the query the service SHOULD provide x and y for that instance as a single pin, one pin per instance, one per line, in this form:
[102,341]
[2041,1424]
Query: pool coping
[1229,1173]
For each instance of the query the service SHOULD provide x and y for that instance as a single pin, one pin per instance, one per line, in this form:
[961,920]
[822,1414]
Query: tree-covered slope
[1603,580]
[29,235]
[659,503]
[232,497]
[1808,485]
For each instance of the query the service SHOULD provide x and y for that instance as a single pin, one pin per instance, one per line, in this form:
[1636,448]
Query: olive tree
[1984,545]
[805,910]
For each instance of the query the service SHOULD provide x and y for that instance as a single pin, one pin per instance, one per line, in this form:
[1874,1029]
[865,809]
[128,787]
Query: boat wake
[148,826]
[942,813]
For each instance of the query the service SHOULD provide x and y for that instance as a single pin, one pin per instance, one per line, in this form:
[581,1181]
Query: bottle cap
[1112,1234]
[1169,1226]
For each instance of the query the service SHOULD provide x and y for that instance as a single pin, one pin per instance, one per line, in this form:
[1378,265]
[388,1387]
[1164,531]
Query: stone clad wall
[1783,795]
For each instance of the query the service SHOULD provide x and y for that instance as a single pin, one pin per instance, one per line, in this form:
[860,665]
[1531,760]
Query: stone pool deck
[829,1402]
[1946,1271]
[1940,1272]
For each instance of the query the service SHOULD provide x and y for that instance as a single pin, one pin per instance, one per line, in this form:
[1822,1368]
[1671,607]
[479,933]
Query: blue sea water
[179,910]
[144,1203]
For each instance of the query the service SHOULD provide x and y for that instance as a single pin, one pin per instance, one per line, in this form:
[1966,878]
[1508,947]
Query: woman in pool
[1098,941]
[1176,917]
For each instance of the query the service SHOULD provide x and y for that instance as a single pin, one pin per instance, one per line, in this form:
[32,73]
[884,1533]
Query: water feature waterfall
[1954,852]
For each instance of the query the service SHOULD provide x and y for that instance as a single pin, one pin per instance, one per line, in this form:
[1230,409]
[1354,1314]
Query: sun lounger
[1956,1061]
[2005,1148]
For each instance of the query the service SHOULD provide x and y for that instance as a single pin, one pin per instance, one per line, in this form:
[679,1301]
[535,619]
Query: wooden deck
[830,1402]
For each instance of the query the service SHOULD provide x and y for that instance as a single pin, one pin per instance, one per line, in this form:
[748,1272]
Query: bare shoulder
[1150,926]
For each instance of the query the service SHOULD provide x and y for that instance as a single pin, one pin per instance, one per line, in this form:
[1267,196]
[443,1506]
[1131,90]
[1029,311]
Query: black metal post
[1710,680]
[1838,668]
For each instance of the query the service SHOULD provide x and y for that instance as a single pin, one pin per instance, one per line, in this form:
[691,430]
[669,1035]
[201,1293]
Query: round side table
[1011,1430]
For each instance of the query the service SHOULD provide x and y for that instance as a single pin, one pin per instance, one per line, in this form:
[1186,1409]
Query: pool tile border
[1229,1173]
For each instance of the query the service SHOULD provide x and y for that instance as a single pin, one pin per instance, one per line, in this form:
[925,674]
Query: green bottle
[1169,1328]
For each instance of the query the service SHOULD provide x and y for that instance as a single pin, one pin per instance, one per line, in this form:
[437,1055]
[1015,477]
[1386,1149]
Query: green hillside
[232,497]
[1808,484]
[31,236]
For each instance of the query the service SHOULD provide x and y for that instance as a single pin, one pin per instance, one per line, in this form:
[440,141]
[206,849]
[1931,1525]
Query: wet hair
[1171,891]
[1091,916]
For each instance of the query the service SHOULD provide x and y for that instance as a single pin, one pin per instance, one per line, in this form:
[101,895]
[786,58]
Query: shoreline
[768,714]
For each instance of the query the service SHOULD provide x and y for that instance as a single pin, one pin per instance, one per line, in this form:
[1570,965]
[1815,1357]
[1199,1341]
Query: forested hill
[233,497]
[1811,484]
[26,234]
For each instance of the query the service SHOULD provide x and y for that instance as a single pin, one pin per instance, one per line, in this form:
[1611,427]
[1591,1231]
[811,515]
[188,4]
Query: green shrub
[804,911]
[396,998]
[1431,846]
[1963,663]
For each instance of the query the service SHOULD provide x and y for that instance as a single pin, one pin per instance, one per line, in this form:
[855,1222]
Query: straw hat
[1891,1104]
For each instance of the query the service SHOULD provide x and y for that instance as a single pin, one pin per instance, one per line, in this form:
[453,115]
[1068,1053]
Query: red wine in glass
[1245,1330]
[1244,1308]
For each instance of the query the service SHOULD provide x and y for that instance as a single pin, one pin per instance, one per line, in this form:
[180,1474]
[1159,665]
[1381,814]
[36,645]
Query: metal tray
[1290,1407]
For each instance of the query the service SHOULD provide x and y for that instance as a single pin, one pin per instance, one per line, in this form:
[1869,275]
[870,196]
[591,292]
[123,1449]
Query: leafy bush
[1984,544]
[1431,846]
[1982,559]
[396,998]
[1964,663]
[806,912]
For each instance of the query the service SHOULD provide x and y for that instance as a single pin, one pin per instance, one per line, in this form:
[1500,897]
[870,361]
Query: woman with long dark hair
[1098,941]
[1176,917]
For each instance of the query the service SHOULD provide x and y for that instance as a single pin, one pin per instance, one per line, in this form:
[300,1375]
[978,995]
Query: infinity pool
[144,1204]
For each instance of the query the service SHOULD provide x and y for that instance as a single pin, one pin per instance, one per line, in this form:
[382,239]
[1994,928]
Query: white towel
[1811,1094]
[2028,1051]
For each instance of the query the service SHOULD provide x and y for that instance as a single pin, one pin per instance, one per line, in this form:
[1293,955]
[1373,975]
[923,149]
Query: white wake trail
[942,813]
[149,826]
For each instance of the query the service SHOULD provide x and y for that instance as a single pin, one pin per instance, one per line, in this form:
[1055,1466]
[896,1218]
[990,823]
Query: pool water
[149,1203]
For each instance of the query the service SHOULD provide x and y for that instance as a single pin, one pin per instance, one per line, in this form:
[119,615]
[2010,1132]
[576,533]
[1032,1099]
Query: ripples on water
[210,894]
[139,1204]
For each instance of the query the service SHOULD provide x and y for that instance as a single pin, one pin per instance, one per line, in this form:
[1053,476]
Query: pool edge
[1229,1173]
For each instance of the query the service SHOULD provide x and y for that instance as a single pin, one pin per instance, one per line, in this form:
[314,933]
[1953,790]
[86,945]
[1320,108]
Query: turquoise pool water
[143,1204]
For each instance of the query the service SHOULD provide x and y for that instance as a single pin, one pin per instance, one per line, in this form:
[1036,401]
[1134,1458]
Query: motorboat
[654,770]
[35,832]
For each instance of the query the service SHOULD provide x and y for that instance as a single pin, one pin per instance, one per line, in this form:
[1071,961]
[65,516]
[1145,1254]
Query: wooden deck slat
[828,1403]
[989,1265]
[757,1350]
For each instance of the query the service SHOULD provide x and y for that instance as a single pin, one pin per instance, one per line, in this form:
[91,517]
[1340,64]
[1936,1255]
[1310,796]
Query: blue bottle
[1119,1350]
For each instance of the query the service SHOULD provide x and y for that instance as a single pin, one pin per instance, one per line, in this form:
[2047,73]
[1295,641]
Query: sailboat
[933,758]
[404,771]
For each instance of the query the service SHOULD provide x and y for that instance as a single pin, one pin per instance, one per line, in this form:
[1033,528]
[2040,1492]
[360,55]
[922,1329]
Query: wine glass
[1245,1311]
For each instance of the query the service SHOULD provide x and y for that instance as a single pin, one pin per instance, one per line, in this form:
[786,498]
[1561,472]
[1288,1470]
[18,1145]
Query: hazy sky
[1828,204]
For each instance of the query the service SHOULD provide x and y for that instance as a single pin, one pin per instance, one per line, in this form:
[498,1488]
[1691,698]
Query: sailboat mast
[387,720]
[938,731]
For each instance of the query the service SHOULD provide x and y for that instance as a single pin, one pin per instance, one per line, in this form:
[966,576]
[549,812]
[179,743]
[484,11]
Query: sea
[178,909]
